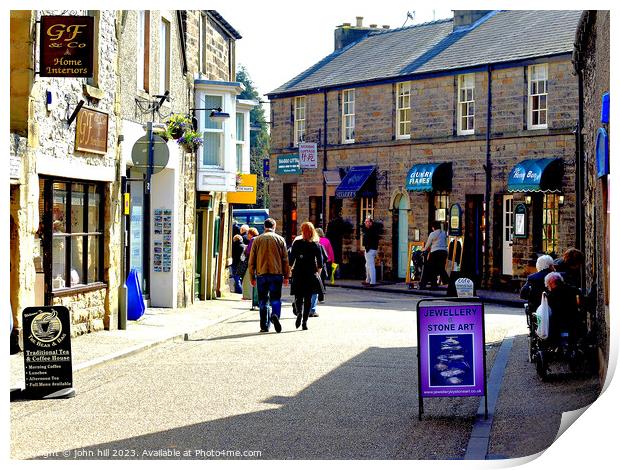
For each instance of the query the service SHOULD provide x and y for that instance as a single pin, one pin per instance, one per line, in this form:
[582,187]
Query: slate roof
[500,36]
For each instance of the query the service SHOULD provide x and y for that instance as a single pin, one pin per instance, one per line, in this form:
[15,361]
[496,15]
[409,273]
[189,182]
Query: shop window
[73,228]
[440,208]
[367,209]
[550,220]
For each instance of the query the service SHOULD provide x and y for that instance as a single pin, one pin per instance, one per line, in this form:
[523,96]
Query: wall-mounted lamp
[528,199]
[216,115]
[561,199]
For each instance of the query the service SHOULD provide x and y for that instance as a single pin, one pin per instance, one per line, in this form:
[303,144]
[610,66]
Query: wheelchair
[569,343]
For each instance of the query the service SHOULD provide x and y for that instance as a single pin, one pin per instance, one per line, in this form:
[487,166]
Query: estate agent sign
[67,44]
[47,352]
[451,353]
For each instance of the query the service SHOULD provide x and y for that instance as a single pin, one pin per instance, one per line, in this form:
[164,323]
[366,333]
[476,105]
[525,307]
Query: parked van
[252,217]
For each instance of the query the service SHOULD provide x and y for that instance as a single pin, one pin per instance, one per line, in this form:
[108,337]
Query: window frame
[47,190]
[164,55]
[299,122]
[550,218]
[401,93]
[143,50]
[531,71]
[213,130]
[240,140]
[348,118]
[464,86]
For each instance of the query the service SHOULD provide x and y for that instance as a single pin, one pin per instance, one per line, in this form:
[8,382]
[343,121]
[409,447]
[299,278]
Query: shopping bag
[542,318]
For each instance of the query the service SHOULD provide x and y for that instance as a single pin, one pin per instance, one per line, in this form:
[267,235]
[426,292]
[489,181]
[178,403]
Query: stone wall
[434,139]
[87,309]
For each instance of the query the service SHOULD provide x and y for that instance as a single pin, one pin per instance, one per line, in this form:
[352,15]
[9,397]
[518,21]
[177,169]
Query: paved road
[344,389]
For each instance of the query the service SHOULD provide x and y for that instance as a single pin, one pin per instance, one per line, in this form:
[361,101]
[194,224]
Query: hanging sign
[91,131]
[288,164]
[308,157]
[245,192]
[451,353]
[67,45]
[455,226]
[47,352]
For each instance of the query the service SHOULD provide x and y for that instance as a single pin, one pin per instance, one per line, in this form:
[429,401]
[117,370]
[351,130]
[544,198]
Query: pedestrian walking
[246,285]
[437,246]
[328,260]
[237,252]
[307,262]
[269,269]
[370,241]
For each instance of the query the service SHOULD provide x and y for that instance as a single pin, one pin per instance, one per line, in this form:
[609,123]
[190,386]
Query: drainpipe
[579,177]
[488,175]
[324,208]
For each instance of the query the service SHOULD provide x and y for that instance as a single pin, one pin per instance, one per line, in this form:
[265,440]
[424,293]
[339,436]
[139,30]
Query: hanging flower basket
[178,124]
[190,141]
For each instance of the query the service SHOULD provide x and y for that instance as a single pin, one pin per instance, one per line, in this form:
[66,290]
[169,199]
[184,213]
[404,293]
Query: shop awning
[360,181]
[542,174]
[430,177]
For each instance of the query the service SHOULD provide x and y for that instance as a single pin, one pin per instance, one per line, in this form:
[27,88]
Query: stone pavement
[157,325]
[510,299]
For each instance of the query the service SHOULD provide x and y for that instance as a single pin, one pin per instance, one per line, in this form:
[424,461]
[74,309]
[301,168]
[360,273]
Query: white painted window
[403,111]
[164,56]
[348,116]
[466,105]
[240,141]
[143,50]
[213,134]
[300,120]
[537,96]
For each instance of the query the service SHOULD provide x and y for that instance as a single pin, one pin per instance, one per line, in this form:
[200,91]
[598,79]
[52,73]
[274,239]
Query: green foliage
[259,139]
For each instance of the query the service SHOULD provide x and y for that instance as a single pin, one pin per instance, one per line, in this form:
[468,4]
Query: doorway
[474,236]
[507,221]
[289,212]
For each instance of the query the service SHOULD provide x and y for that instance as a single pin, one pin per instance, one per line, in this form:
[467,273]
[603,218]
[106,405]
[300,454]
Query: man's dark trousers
[435,266]
[269,288]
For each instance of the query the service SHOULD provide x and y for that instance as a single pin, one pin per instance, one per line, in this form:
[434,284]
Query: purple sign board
[451,354]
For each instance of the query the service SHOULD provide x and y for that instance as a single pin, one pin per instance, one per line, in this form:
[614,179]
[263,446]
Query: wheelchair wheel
[541,366]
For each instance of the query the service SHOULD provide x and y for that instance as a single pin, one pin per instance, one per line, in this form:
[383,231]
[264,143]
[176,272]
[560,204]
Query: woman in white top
[437,245]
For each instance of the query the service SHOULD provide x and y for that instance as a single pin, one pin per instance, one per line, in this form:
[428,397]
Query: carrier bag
[542,318]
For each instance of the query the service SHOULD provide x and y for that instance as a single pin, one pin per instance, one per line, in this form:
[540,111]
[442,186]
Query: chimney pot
[373,25]
[346,24]
[359,21]
[386,26]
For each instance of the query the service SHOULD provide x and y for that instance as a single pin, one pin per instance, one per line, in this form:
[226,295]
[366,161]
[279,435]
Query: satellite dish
[140,154]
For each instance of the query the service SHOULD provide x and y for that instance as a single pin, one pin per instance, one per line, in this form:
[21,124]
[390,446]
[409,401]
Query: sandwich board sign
[451,352]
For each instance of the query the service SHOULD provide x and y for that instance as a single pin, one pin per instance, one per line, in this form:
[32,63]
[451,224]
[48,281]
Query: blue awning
[542,175]
[360,181]
[430,177]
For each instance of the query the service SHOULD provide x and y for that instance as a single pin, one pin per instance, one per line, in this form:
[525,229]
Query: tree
[259,138]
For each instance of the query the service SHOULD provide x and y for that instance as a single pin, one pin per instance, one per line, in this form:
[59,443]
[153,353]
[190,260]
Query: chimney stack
[359,21]
[346,34]
[386,26]
[465,18]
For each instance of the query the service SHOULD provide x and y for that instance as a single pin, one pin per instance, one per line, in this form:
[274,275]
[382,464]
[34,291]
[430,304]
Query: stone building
[591,62]
[65,186]
[463,120]
[81,218]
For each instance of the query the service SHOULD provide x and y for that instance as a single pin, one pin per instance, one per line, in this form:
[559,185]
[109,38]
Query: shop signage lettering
[91,131]
[66,46]
[47,350]
[288,164]
[451,349]
[420,178]
[308,155]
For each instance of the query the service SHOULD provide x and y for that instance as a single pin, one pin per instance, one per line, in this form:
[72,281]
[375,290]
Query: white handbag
[543,312]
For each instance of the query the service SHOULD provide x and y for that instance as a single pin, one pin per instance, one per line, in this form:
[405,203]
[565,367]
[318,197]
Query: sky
[283,39]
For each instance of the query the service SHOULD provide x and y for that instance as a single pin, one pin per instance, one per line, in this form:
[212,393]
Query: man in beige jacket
[269,269]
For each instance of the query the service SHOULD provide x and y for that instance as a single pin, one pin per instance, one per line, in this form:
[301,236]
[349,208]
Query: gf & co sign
[67,46]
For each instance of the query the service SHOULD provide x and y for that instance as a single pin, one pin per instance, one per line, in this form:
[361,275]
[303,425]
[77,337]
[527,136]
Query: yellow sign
[245,192]
[126,200]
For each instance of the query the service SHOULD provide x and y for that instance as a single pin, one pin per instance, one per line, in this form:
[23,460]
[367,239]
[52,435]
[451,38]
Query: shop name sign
[288,164]
[308,155]
[520,173]
[420,177]
[47,351]
[67,45]
[91,131]
[451,353]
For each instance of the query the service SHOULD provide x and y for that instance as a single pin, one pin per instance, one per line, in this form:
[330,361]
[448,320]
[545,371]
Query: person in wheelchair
[534,287]
[563,299]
